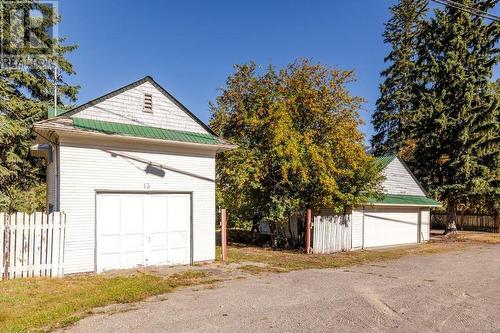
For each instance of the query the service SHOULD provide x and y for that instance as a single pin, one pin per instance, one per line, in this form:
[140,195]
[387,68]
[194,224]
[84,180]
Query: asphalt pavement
[450,292]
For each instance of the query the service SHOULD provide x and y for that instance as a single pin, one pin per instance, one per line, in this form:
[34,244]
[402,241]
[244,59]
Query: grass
[41,304]
[284,261]
[481,237]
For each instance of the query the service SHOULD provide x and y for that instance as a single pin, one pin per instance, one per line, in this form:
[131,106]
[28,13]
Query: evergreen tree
[29,54]
[457,153]
[392,118]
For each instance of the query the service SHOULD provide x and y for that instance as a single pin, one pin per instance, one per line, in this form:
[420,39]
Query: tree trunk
[301,222]
[451,218]
[273,229]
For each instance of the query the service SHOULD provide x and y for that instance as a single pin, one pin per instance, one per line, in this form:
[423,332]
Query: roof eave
[76,132]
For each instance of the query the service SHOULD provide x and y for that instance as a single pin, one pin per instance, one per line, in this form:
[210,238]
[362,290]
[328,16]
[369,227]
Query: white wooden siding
[425,230]
[399,181]
[357,228]
[127,108]
[86,168]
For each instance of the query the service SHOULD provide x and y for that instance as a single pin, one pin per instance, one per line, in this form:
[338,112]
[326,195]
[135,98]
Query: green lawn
[41,304]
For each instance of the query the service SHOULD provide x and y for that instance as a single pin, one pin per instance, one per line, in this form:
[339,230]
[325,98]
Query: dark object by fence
[468,222]
[240,237]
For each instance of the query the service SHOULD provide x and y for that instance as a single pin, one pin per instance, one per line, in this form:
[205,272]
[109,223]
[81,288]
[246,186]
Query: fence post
[223,225]
[308,231]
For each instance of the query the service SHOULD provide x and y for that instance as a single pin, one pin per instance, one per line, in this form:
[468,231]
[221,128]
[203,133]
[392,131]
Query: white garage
[400,216]
[142,229]
[134,172]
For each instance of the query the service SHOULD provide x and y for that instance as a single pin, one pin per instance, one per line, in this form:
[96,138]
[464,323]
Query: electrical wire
[467,9]
[479,11]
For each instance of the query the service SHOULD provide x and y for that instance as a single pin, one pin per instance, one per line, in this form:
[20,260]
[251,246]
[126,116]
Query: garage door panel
[159,240]
[110,243]
[390,226]
[177,239]
[133,242]
[159,257]
[110,217]
[178,212]
[132,259]
[132,214]
[155,212]
[177,256]
[110,260]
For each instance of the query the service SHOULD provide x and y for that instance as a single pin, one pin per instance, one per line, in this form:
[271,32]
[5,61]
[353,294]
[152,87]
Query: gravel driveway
[452,292]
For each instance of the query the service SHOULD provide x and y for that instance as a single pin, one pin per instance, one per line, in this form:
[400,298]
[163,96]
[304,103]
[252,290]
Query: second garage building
[401,216]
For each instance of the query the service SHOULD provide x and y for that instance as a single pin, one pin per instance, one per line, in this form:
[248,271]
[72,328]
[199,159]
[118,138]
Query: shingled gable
[97,116]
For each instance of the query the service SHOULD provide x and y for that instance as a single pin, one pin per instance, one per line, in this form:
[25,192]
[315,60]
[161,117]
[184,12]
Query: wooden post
[308,231]
[223,226]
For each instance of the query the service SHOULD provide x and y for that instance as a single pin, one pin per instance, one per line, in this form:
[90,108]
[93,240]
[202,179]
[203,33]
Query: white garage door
[142,230]
[390,226]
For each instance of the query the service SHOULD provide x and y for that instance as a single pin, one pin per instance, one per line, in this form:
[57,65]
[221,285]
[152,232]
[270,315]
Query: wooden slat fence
[469,222]
[331,233]
[32,245]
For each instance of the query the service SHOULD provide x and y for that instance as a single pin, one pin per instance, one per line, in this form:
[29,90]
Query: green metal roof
[400,199]
[384,161]
[143,131]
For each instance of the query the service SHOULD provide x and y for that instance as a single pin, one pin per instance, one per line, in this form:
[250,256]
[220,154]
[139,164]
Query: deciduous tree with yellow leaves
[299,142]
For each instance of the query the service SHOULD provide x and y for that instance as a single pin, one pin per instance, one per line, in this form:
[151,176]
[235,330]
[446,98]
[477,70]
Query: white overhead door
[136,229]
[390,226]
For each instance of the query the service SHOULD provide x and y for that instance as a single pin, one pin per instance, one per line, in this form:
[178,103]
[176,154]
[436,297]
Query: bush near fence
[467,222]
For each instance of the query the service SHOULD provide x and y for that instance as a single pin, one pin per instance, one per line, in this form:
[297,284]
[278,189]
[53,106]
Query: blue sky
[190,47]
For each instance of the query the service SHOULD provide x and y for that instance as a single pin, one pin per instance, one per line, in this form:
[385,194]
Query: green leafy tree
[457,153]
[29,54]
[299,142]
[392,119]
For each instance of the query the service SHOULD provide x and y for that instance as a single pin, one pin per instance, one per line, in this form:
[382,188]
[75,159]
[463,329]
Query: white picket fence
[331,233]
[32,245]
